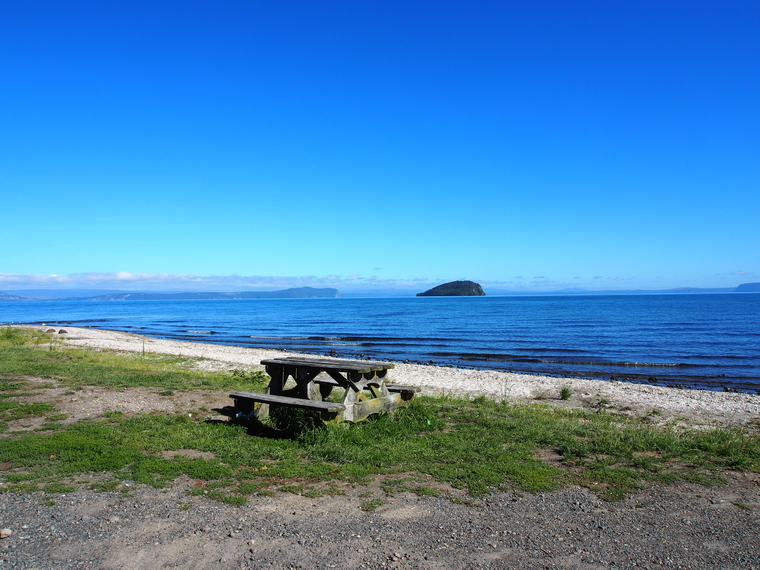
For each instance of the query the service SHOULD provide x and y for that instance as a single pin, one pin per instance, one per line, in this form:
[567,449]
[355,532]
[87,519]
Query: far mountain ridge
[748,288]
[295,293]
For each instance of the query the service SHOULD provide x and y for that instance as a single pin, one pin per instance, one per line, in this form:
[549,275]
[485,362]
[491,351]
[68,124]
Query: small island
[455,289]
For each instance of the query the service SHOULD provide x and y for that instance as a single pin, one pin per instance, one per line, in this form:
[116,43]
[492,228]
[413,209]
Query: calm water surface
[706,341]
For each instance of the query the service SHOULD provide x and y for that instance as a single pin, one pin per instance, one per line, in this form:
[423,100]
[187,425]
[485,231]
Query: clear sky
[235,145]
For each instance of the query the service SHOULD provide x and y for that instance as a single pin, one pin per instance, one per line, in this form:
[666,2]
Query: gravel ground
[675,526]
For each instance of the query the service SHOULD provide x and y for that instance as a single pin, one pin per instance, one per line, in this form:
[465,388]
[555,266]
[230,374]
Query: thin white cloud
[124,280]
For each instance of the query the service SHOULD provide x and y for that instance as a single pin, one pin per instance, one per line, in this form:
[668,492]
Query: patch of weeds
[48,503]
[49,426]
[105,486]
[424,491]
[113,415]
[166,393]
[565,393]
[313,493]
[222,497]
[20,488]
[255,377]
[371,505]
[59,488]
[295,489]
[21,477]
[604,402]
[393,486]
[365,494]
[209,488]
[13,336]
[742,506]
[184,505]
[250,488]
[57,417]
[21,411]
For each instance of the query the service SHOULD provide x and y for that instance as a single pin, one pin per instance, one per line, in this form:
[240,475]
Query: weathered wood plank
[400,388]
[406,393]
[287,401]
[360,366]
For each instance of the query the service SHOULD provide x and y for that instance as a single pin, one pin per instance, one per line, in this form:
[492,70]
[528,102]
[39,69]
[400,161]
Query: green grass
[24,353]
[476,445]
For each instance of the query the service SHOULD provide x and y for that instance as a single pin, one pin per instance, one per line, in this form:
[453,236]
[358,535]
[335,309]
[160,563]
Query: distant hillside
[748,288]
[298,293]
[578,291]
[454,289]
[12,297]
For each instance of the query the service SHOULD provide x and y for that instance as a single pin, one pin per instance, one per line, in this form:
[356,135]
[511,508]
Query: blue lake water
[705,341]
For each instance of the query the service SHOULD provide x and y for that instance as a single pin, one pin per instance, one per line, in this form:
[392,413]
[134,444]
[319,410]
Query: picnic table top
[326,364]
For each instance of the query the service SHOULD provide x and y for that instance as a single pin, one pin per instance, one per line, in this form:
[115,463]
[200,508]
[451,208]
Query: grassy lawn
[472,444]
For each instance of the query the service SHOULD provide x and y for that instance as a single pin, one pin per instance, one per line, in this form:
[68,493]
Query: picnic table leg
[359,406]
[278,377]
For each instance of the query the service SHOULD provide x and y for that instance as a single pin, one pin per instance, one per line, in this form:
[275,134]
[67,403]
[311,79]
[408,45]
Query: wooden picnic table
[366,391]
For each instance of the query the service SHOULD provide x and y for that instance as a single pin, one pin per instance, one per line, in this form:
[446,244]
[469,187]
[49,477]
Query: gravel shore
[663,526]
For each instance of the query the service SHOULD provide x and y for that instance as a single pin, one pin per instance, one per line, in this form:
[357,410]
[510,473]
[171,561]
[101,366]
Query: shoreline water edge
[693,406]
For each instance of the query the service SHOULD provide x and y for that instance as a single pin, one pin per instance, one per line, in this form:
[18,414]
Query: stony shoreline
[695,406]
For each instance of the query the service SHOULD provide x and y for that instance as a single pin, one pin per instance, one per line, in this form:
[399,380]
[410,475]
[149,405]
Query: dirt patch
[549,455]
[89,402]
[189,453]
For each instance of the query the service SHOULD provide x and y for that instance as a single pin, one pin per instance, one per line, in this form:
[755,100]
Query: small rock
[113,519]
[5,533]
[63,331]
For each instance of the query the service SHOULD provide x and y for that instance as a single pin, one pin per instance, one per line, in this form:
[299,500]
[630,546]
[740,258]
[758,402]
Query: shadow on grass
[282,423]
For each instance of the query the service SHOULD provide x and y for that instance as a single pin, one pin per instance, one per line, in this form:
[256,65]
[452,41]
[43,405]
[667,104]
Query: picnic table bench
[366,391]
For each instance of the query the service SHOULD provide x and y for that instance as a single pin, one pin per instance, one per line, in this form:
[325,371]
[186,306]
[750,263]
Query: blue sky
[528,145]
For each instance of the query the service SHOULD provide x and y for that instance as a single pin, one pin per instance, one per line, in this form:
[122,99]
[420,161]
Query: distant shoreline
[22,295]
